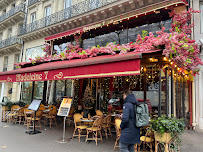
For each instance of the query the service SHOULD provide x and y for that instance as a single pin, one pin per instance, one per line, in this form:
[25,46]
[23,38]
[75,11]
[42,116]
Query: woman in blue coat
[130,134]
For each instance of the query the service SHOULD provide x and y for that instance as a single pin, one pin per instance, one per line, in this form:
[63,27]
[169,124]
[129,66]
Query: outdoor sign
[77,69]
[65,107]
[34,105]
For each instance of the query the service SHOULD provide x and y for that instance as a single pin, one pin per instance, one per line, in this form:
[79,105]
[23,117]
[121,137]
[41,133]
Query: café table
[86,120]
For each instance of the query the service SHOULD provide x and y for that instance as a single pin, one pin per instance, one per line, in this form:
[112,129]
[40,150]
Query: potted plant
[167,128]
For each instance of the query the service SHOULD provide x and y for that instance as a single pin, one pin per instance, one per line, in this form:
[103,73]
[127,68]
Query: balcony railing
[5,67]
[31,2]
[18,8]
[10,41]
[72,11]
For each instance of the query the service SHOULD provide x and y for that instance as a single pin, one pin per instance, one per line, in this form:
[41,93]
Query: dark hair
[128,92]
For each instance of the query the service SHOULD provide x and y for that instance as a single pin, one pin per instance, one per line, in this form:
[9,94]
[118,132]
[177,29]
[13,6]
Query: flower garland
[178,46]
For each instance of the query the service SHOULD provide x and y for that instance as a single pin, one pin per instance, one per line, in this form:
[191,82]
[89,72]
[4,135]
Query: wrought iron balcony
[72,11]
[31,2]
[10,41]
[13,11]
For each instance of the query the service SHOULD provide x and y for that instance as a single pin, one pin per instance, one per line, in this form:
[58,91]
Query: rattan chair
[13,115]
[106,126]
[20,116]
[28,117]
[70,115]
[51,117]
[78,125]
[148,139]
[95,130]
[37,119]
[99,113]
[118,131]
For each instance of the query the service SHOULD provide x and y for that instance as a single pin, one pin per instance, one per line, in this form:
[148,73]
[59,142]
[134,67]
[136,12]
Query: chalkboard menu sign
[65,107]
[34,105]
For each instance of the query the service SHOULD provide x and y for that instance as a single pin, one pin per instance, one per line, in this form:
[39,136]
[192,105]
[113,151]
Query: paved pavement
[192,141]
[14,139]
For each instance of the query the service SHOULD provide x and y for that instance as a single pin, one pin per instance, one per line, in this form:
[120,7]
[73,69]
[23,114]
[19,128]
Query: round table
[86,120]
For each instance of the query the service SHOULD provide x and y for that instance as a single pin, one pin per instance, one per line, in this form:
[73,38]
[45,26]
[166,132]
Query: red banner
[120,68]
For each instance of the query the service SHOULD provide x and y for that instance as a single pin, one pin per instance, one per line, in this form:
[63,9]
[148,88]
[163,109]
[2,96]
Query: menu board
[34,105]
[65,107]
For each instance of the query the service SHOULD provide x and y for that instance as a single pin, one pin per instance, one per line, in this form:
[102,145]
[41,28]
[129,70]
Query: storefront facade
[150,75]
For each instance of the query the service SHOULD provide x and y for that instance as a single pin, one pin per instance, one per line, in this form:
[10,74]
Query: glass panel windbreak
[26,92]
[38,90]
[152,90]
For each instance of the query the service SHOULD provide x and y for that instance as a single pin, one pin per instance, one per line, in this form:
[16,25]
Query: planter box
[166,137]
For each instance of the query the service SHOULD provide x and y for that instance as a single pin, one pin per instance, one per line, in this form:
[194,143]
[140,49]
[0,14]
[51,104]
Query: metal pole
[172,93]
[183,98]
[159,106]
[64,129]
[177,105]
[167,92]
[32,93]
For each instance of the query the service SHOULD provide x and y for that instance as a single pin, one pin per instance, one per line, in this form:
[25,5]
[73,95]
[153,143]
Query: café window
[34,52]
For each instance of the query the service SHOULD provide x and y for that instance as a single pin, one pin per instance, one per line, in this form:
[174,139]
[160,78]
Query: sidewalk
[14,139]
[192,141]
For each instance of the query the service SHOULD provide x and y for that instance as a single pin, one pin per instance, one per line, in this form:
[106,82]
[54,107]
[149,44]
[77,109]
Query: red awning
[101,66]
[125,16]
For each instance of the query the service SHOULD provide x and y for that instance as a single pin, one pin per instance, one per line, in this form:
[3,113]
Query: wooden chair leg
[74,133]
[110,131]
[79,134]
[139,147]
[166,148]
[156,146]
[106,134]
[55,121]
[87,136]
[96,137]
[151,150]
[101,136]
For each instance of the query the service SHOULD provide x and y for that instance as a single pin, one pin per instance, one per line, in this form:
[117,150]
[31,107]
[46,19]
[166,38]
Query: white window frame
[33,17]
[45,11]
[67,3]
[10,30]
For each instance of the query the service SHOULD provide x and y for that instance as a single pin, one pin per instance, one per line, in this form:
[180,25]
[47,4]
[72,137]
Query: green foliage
[9,104]
[171,125]
[144,34]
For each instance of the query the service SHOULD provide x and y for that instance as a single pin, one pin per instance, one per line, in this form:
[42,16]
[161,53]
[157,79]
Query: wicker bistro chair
[20,116]
[37,119]
[148,139]
[78,125]
[106,126]
[14,112]
[51,117]
[52,107]
[99,113]
[118,131]
[42,108]
[70,116]
[95,129]
[28,117]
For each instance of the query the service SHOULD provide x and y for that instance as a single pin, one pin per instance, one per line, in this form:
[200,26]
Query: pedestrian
[130,134]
